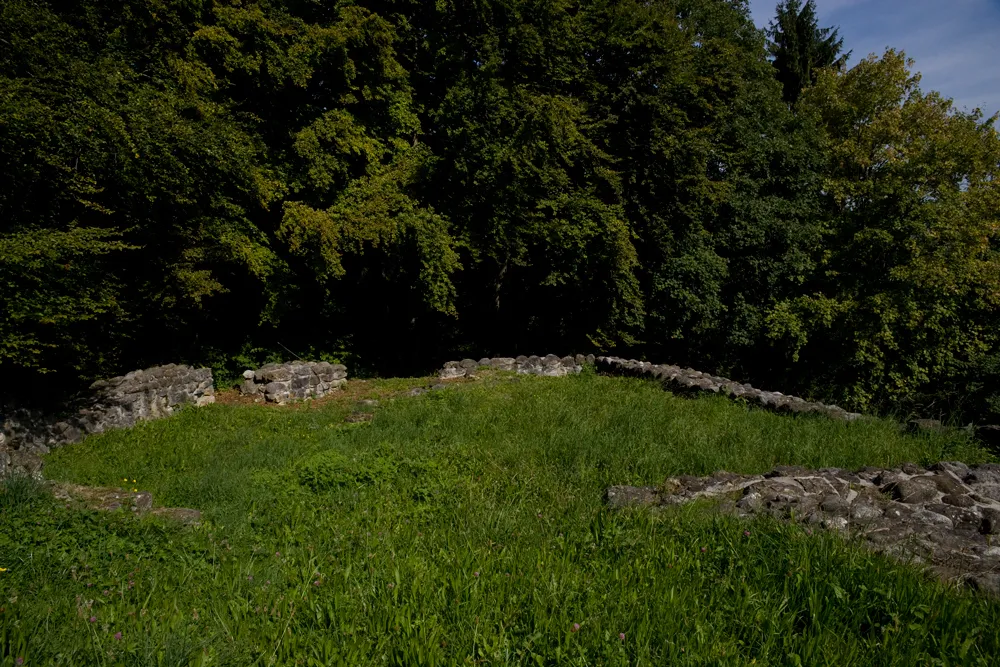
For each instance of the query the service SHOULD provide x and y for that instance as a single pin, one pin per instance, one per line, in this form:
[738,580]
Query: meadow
[466,526]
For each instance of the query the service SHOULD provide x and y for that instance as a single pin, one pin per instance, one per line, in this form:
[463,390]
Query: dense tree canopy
[910,285]
[394,182]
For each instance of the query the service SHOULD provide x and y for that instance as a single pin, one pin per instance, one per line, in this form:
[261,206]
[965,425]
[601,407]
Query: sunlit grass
[466,526]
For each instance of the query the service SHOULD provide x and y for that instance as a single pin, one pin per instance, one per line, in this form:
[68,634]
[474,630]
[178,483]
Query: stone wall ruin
[297,380]
[674,378]
[119,402]
[549,365]
[690,381]
[946,517]
[143,395]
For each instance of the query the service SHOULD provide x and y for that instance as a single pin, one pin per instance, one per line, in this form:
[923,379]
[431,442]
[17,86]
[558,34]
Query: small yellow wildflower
[133,481]
[124,479]
[134,490]
[3,569]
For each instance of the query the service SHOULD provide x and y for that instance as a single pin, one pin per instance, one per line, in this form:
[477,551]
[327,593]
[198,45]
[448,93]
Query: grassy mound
[466,526]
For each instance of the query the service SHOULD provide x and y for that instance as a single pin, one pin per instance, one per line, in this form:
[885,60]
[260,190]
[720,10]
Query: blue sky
[955,43]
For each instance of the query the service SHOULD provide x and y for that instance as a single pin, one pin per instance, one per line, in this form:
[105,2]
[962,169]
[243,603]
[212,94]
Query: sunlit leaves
[913,265]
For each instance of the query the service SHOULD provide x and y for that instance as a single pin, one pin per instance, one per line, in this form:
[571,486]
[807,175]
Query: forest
[394,183]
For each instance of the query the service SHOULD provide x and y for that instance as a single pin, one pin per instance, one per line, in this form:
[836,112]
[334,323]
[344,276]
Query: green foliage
[126,198]
[394,182]
[332,469]
[20,491]
[464,525]
[911,280]
[53,287]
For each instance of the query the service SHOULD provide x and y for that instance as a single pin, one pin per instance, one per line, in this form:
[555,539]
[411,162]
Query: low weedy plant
[18,491]
[466,526]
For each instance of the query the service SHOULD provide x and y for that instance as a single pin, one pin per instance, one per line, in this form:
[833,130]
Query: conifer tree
[800,47]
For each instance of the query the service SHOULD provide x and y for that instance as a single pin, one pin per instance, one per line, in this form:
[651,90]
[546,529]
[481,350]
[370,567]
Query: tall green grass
[466,526]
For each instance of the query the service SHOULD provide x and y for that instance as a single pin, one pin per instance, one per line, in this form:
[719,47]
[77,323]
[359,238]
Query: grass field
[466,527]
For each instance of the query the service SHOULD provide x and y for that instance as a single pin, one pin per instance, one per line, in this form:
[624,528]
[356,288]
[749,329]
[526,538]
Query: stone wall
[947,516]
[156,392]
[281,383]
[549,365]
[109,404]
[674,378]
[687,380]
